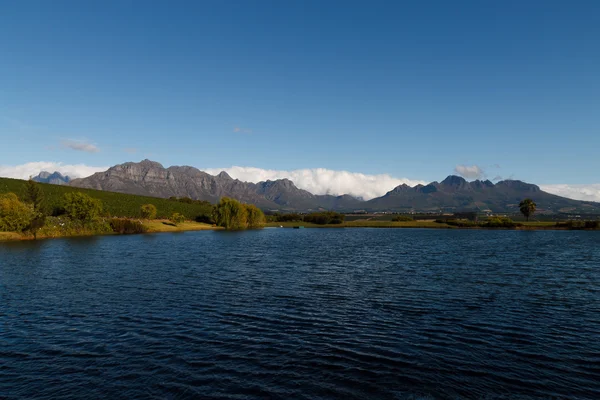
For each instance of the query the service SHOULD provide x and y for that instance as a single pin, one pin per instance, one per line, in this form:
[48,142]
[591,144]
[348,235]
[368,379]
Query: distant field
[167,226]
[364,224]
[407,224]
[304,224]
[369,217]
[390,224]
[115,204]
[538,223]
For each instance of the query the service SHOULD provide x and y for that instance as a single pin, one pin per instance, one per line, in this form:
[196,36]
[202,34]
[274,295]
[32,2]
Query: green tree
[15,216]
[80,206]
[527,208]
[255,217]
[148,211]
[325,217]
[37,221]
[230,214]
[34,195]
[177,218]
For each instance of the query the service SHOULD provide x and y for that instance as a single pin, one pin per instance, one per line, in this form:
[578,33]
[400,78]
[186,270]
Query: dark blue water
[314,313]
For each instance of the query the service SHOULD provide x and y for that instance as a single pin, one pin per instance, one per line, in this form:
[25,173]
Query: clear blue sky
[406,88]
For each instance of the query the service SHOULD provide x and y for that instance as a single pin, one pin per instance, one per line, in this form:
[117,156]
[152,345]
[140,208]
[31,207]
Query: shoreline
[165,226]
[526,226]
[153,226]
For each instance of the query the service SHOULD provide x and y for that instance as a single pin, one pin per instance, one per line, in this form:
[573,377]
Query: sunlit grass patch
[164,225]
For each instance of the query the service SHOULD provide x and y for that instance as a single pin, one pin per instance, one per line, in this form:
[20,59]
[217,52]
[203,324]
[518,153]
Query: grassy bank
[114,204]
[534,225]
[4,236]
[365,224]
[57,227]
[164,225]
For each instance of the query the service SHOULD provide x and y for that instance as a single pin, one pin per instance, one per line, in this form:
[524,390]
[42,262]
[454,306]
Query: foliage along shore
[158,226]
[31,215]
[59,228]
[468,220]
[113,204]
[432,224]
[34,214]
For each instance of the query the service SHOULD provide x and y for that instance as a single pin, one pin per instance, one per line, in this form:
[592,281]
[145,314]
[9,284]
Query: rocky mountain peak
[453,194]
[481,184]
[399,189]
[518,185]
[224,175]
[55,178]
[454,180]
[149,163]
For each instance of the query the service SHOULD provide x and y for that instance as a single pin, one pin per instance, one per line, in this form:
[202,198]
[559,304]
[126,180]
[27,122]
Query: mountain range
[55,178]
[453,194]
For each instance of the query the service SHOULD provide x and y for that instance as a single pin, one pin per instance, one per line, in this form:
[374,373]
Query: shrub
[127,226]
[255,217]
[288,217]
[15,216]
[37,222]
[323,218]
[500,222]
[592,224]
[64,226]
[402,218]
[81,207]
[148,211]
[177,218]
[117,204]
[34,195]
[230,214]
[463,223]
[207,219]
[575,225]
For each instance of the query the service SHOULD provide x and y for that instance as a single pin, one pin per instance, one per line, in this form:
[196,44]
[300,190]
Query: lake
[303,314]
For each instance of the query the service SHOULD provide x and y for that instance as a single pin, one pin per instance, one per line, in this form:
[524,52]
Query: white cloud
[316,180]
[469,171]
[80,145]
[589,192]
[322,181]
[24,171]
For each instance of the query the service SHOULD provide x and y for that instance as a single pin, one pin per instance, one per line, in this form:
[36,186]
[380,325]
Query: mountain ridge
[454,193]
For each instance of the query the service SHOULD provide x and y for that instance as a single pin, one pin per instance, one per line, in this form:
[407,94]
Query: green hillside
[114,204]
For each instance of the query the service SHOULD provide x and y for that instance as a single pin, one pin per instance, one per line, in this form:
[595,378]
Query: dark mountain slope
[456,194]
[452,194]
[150,178]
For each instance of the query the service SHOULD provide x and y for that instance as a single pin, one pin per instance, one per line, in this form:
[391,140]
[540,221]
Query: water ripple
[308,314]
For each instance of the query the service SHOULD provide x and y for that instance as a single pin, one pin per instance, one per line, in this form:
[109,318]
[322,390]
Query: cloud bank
[24,171]
[323,181]
[589,192]
[80,145]
[469,171]
[316,180]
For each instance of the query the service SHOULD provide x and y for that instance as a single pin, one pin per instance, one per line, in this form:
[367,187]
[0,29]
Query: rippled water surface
[313,313]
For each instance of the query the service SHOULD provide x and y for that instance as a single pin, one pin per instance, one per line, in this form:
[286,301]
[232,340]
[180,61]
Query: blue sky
[406,89]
